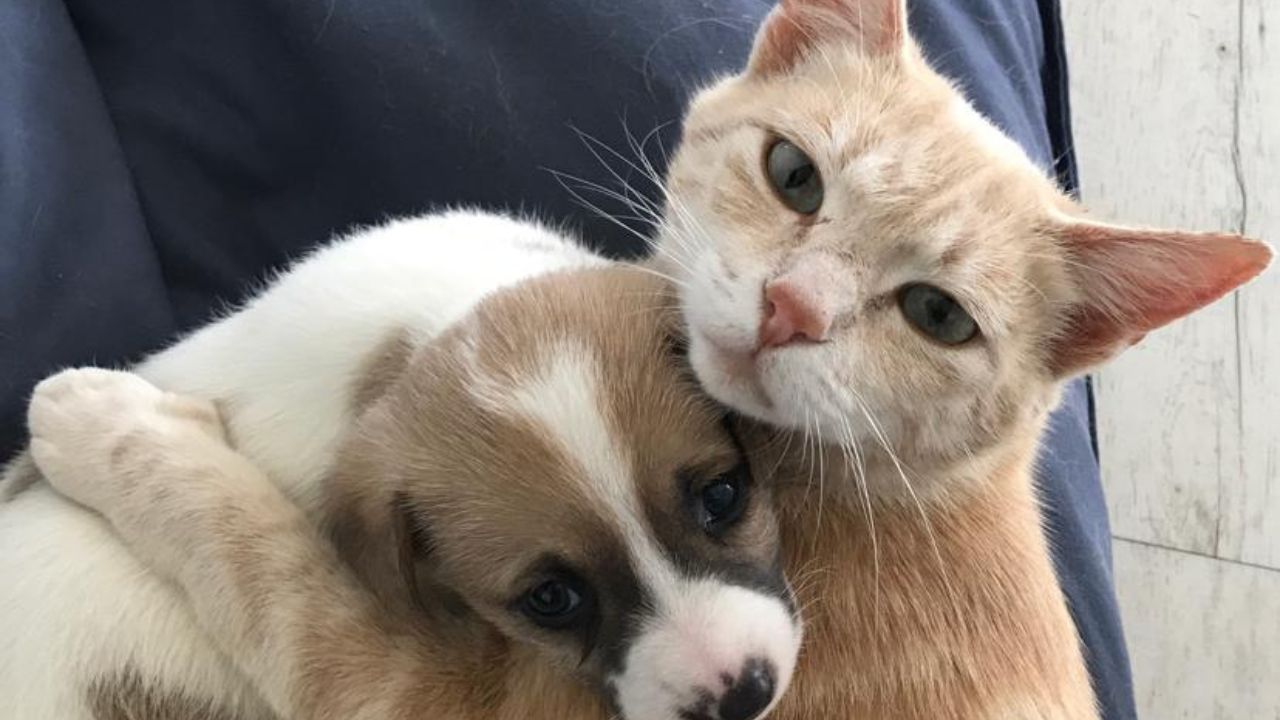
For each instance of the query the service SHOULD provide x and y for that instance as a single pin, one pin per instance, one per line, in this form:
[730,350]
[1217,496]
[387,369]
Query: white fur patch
[564,398]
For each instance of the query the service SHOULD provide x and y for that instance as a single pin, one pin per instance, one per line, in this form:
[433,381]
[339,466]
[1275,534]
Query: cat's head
[862,255]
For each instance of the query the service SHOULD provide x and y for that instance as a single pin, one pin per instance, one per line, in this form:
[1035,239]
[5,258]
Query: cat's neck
[936,604]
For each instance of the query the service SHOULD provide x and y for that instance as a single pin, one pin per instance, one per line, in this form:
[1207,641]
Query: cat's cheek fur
[723,304]
[730,380]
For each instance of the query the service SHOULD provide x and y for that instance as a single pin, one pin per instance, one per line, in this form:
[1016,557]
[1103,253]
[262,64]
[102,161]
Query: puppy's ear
[365,528]
[413,546]
[417,563]
[387,542]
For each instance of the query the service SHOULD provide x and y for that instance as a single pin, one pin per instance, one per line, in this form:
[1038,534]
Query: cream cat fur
[864,260]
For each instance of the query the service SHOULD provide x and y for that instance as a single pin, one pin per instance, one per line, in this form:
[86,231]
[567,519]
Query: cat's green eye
[937,314]
[794,177]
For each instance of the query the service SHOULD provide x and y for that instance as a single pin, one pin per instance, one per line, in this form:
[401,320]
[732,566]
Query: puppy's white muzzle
[711,651]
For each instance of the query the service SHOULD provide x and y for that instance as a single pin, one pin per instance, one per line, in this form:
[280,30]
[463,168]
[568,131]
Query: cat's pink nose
[792,314]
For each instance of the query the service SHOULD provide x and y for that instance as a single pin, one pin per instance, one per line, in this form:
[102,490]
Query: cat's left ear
[1130,281]
[796,28]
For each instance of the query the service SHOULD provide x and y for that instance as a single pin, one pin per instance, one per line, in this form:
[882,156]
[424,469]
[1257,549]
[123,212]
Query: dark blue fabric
[157,157]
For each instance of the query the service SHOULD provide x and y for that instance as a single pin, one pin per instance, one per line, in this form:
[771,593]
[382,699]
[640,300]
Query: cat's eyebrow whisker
[577,196]
[653,219]
[671,199]
[650,215]
[637,148]
[592,143]
[647,170]
[684,237]
[674,204]
[629,196]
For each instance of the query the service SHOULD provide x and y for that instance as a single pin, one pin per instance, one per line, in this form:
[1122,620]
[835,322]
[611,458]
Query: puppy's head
[550,466]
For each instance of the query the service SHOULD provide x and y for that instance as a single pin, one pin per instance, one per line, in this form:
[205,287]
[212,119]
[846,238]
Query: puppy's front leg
[264,585]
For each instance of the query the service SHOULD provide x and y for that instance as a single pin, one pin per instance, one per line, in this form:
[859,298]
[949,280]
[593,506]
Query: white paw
[93,429]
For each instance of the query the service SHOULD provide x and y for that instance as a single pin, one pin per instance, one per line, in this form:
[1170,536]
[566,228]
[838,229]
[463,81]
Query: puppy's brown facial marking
[581,495]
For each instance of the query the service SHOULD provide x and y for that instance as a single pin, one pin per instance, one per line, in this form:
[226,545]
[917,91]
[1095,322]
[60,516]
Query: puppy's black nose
[750,693]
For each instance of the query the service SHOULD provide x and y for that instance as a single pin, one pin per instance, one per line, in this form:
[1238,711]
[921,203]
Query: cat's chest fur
[952,613]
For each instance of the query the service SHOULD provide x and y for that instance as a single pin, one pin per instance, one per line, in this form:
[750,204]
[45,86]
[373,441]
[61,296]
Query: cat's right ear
[797,28]
[1130,281]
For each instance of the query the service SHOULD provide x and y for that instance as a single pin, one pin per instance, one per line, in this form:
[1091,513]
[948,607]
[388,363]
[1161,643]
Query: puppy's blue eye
[721,502]
[554,604]
[719,499]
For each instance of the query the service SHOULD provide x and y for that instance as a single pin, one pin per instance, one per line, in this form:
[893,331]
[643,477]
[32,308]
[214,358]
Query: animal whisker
[851,447]
[924,516]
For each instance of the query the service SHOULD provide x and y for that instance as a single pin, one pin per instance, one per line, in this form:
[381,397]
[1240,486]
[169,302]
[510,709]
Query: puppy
[497,437]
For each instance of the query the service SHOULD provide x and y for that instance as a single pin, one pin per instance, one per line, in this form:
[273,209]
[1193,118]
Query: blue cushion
[159,157]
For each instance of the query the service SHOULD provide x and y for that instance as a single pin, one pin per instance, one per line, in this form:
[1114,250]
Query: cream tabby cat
[864,259]
[894,293]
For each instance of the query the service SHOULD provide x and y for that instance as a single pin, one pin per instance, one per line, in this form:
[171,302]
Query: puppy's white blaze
[565,400]
[711,629]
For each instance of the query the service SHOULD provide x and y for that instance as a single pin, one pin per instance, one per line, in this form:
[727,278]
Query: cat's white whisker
[822,471]
[805,448]
[671,200]
[851,448]
[782,456]
[582,200]
[649,215]
[663,276]
[592,143]
[924,516]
